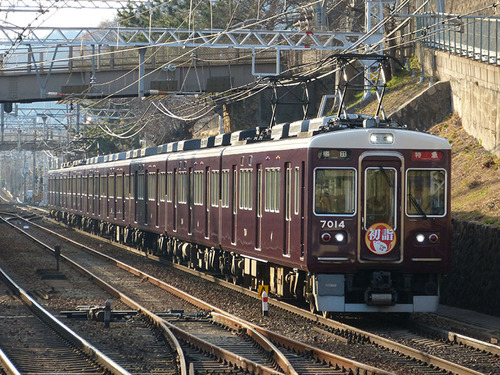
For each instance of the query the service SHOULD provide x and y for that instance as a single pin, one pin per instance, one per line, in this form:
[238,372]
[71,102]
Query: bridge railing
[474,37]
[107,58]
[20,138]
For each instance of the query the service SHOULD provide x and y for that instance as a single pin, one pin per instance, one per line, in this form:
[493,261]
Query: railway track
[418,358]
[242,358]
[33,342]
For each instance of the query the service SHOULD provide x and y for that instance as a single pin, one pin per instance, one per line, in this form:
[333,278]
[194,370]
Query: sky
[59,18]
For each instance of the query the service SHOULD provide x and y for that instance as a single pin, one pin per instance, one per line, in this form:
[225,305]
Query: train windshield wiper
[384,173]
[417,206]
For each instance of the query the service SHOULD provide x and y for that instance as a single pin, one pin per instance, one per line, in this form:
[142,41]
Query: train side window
[246,191]
[140,185]
[334,191]
[288,192]
[170,186]
[426,192]
[215,188]
[182,187]
[91,185]
[272,188]
[296,196]
[198,188]
[104,185]
[151,186]
[126,186]
[111,186]
[225,188]
[119,186]
[161,186]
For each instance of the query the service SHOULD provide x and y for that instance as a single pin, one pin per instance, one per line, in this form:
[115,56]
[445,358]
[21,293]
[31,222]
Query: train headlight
[340,237]
[381,139]
[326,237]
[420,238]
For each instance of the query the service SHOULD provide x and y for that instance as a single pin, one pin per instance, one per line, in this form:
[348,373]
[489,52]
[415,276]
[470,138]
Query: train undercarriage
[283,282]
[367,291]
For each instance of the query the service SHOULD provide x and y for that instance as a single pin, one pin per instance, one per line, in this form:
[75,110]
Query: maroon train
[350,214]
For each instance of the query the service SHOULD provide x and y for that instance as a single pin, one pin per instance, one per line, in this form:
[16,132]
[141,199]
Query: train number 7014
[330,224]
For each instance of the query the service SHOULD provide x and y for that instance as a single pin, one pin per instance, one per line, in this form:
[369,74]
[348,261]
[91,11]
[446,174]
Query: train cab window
[380,196]
[426,192]
[335,191]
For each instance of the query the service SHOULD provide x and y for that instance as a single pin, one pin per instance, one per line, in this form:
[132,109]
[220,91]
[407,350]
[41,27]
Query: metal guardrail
[473,37]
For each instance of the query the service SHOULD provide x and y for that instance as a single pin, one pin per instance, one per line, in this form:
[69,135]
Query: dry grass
[475,175]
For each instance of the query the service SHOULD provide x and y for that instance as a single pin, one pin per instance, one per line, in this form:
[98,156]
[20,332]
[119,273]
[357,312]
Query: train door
[109,197]
[299,203]
[174,197]
[97,190]
[207,202]
[158,183]
[135,185]
[380,239]
[234,204]
[190,202]
[258,209]
[114,192]
[288,209]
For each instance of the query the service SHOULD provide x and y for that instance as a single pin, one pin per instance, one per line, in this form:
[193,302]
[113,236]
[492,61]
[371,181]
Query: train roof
[355,131]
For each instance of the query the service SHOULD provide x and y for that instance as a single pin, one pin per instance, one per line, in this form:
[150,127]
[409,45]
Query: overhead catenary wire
[317,69]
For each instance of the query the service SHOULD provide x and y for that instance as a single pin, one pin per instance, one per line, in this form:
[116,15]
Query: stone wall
[474,279]
[475,88]
[427,109]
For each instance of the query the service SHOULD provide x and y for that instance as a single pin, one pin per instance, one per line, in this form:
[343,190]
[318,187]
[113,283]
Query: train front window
[335,191]
[380,196]
[426,192]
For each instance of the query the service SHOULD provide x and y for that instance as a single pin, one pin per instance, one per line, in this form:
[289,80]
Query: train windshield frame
[335,191]
[426,191]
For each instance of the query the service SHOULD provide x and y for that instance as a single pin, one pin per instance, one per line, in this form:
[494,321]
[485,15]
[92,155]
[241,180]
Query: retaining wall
[426,109]
[474,279]
[475,88]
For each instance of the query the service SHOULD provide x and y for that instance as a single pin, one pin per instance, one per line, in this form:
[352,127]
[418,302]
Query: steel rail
[65,332]
[160,323]
[342,362]
[171,330]
[7,365]
[373,338]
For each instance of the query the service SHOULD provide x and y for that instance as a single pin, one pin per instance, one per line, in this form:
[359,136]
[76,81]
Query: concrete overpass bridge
[17,140]
[45,64]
